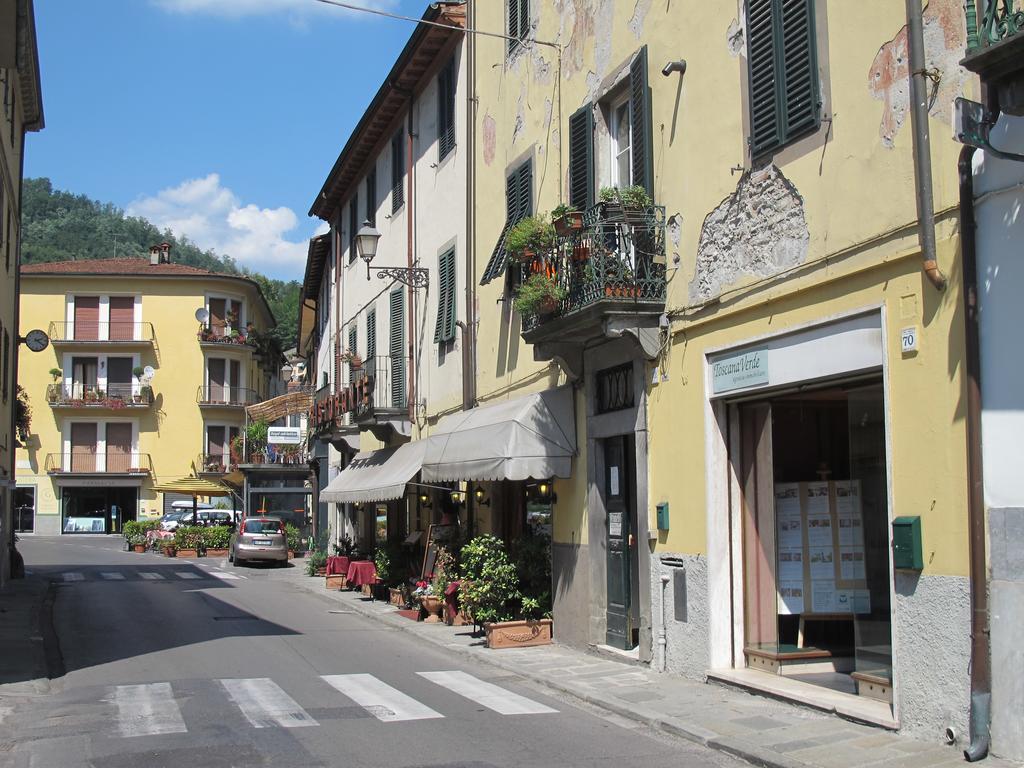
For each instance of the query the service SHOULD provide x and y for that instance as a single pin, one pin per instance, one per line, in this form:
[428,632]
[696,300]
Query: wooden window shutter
[397,173]
[640,115]
[353,227]
[6,365]
[782,67]
[371,335]
[496,264]
[371,197]
[351,347]
[444,328]
[524,190]
[396,347]
[446,109]
[581,158]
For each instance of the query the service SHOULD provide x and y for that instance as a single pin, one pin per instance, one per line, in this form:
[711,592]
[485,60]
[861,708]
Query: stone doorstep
[704,733]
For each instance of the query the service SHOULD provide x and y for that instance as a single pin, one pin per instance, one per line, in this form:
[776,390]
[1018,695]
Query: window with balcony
[224,383]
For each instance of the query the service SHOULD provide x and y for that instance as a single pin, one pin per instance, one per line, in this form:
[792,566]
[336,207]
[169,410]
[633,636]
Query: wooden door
[218,315]
[122,318]
[119,447]
[119,377]
[87,318]
[235,382]
[617,499]
[83,447]
[217,382]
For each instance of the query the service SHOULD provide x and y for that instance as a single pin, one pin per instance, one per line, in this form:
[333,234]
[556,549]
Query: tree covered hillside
[62,226]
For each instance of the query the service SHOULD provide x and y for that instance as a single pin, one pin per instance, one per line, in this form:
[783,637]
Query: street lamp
[366,248]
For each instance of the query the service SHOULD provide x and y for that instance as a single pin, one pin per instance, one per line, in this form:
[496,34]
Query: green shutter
[397,173]
[640,115]
[446,109]
[513,24]
[444,329]
[782,72]
[396,347]
[518,205]
[371,336]
[351,347]
[371,197]
[581,158]
[353,227]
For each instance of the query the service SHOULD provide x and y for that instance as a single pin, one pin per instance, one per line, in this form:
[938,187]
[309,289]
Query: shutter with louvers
[513,24]
[397,173]
[581,158]
[640,116]
[444,328]
[351,346]
[371,336]
[353,227]
[800,67]
[513,197]
[396,347]
[446,109]
[371,197]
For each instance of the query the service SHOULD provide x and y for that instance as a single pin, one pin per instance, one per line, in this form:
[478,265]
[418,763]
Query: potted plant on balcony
[352,359]
[529,238]
[538,295]
[139,372]
[567,220]
[53,391]
[256,441]
[627,205]
[236,448]
[146,393]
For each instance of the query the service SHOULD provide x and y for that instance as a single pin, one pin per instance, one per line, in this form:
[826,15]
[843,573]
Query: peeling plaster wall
[944,43]
[682,604]
[757,231]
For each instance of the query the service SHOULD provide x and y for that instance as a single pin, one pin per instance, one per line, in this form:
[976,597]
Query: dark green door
[617,494]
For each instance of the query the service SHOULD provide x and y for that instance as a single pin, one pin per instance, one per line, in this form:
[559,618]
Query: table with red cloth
[337,565]
[451,597]
[361,572]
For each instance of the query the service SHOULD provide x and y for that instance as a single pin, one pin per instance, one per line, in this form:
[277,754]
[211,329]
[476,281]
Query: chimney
[165,253]
[154,255]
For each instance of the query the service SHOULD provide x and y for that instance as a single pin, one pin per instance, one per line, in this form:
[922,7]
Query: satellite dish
[148,371]
[202,315]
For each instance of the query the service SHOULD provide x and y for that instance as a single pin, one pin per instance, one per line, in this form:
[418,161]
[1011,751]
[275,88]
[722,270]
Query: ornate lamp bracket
[417,277]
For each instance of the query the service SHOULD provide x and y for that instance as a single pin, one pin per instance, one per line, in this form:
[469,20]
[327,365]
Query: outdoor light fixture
[544,492]
[458,497]
[479,494]
[366,248]
[425,501]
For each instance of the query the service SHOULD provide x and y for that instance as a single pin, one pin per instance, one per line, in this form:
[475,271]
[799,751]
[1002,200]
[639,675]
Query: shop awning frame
[530,437]
[380,475]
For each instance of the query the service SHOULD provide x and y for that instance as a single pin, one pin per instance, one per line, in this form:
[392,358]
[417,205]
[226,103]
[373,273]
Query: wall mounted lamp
[425,502]
[366,248]
[479,495]
[674,66]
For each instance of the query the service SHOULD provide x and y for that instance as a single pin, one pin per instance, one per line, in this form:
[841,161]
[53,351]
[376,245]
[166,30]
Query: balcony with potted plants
[113,397]
[218,335]
[88,461]
[593,273]
[254,451]
[995,48]
[216,463]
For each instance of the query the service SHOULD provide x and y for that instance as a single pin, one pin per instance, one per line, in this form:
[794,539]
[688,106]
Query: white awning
[376,475]
[529,437]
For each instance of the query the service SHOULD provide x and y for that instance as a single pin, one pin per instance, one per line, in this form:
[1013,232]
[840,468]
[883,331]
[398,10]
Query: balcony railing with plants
[222,395]
[216,463]
[89,461]
[615,251]
[1000,21]
[223,333]
[91,331]
[113,396]
[254,448]
[380,384]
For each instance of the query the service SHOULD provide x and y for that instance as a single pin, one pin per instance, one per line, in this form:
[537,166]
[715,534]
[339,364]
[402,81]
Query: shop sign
[284,435]
[356,398]
[747,369]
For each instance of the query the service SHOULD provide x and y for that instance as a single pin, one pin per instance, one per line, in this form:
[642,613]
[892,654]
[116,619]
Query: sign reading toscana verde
[746,369]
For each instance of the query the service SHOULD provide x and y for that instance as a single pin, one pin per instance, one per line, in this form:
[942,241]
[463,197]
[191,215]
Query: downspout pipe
[981,660]
[922,146]
[469,333]
[410,374]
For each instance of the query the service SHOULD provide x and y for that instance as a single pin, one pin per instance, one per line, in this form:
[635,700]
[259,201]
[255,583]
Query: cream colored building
[135,389]
[22,113]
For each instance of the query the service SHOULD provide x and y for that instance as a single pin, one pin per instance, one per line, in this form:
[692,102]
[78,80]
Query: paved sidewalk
[759,730]
[23,649]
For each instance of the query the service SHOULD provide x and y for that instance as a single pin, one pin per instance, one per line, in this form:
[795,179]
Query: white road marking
[112,576]
[380,699]
[74,576]
[265,704]
[187,575]
[146,710]
[487,694]
[227,576]
[150,576]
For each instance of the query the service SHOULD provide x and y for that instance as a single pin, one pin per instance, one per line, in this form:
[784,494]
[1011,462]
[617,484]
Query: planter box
[216,552]
[396,597]
[335,581]
[518,634]
[461,618]
[187,553]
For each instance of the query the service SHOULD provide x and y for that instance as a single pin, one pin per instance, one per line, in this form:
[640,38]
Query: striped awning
[193,486]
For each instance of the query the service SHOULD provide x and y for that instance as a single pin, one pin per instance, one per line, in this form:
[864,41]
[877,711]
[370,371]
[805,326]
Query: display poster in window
[791,597]
[613,481]
[791,565]
[615,524]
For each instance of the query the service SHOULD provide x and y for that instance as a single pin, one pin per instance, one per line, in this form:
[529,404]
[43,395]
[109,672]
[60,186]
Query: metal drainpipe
[336,373]
[410,378]
[981,661]
[469,334]
[922,145]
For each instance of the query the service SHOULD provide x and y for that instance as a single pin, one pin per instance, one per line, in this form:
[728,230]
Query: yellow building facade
[150,367]
[767,383]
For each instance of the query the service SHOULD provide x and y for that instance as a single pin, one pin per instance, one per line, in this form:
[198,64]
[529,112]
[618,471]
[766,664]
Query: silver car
[259,538]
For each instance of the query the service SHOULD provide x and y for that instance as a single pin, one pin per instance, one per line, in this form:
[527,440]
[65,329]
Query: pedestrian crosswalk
[69,577]
[152,709]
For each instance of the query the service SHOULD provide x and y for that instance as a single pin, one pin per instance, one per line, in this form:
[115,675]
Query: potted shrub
[538,295]
[188,540]
[216,540]
[352,358]
[146,393]
[382,562]
[139,372]
[134,536]
[291,535]
[256,441]
[316,563]
[529,238]
[566,220]
[628,205]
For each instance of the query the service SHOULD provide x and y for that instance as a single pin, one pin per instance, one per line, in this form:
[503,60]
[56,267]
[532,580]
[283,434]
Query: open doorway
[623,586]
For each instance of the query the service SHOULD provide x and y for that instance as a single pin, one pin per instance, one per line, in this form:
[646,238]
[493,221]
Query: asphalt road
[195,664]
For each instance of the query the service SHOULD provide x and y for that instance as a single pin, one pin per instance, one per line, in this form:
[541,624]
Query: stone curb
[736,747]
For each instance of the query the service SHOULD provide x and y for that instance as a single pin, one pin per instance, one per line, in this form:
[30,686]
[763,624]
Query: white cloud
[212,217]
[239,8]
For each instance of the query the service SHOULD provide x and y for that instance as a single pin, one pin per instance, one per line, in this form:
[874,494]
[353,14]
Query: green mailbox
[663,516]
[906,544]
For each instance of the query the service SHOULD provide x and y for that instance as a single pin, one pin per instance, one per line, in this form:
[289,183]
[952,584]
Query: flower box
[569,222]
[216,552]
[518,634]
[335,581]
[188,552]
[138,548]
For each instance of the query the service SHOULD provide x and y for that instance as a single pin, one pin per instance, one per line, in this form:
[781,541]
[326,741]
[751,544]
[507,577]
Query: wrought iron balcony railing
[1000,20]
[92,331]
[278,455]
[87,461]
[618,254]
[225,334]
[216,463]
[222,395]
[381,384]
[113,396]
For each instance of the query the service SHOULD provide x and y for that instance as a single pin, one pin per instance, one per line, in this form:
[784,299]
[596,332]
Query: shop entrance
[98,510]
[815,527]
[623,604]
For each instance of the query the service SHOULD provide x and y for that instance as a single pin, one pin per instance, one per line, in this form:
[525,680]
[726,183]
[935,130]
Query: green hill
[61,226]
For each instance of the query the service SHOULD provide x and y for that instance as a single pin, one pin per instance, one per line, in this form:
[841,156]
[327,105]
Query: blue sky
[217,118]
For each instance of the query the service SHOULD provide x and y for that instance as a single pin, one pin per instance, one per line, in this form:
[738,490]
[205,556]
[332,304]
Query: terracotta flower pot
[138,548]
[431,606]
[187,552]
[216,552]
[518,634]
